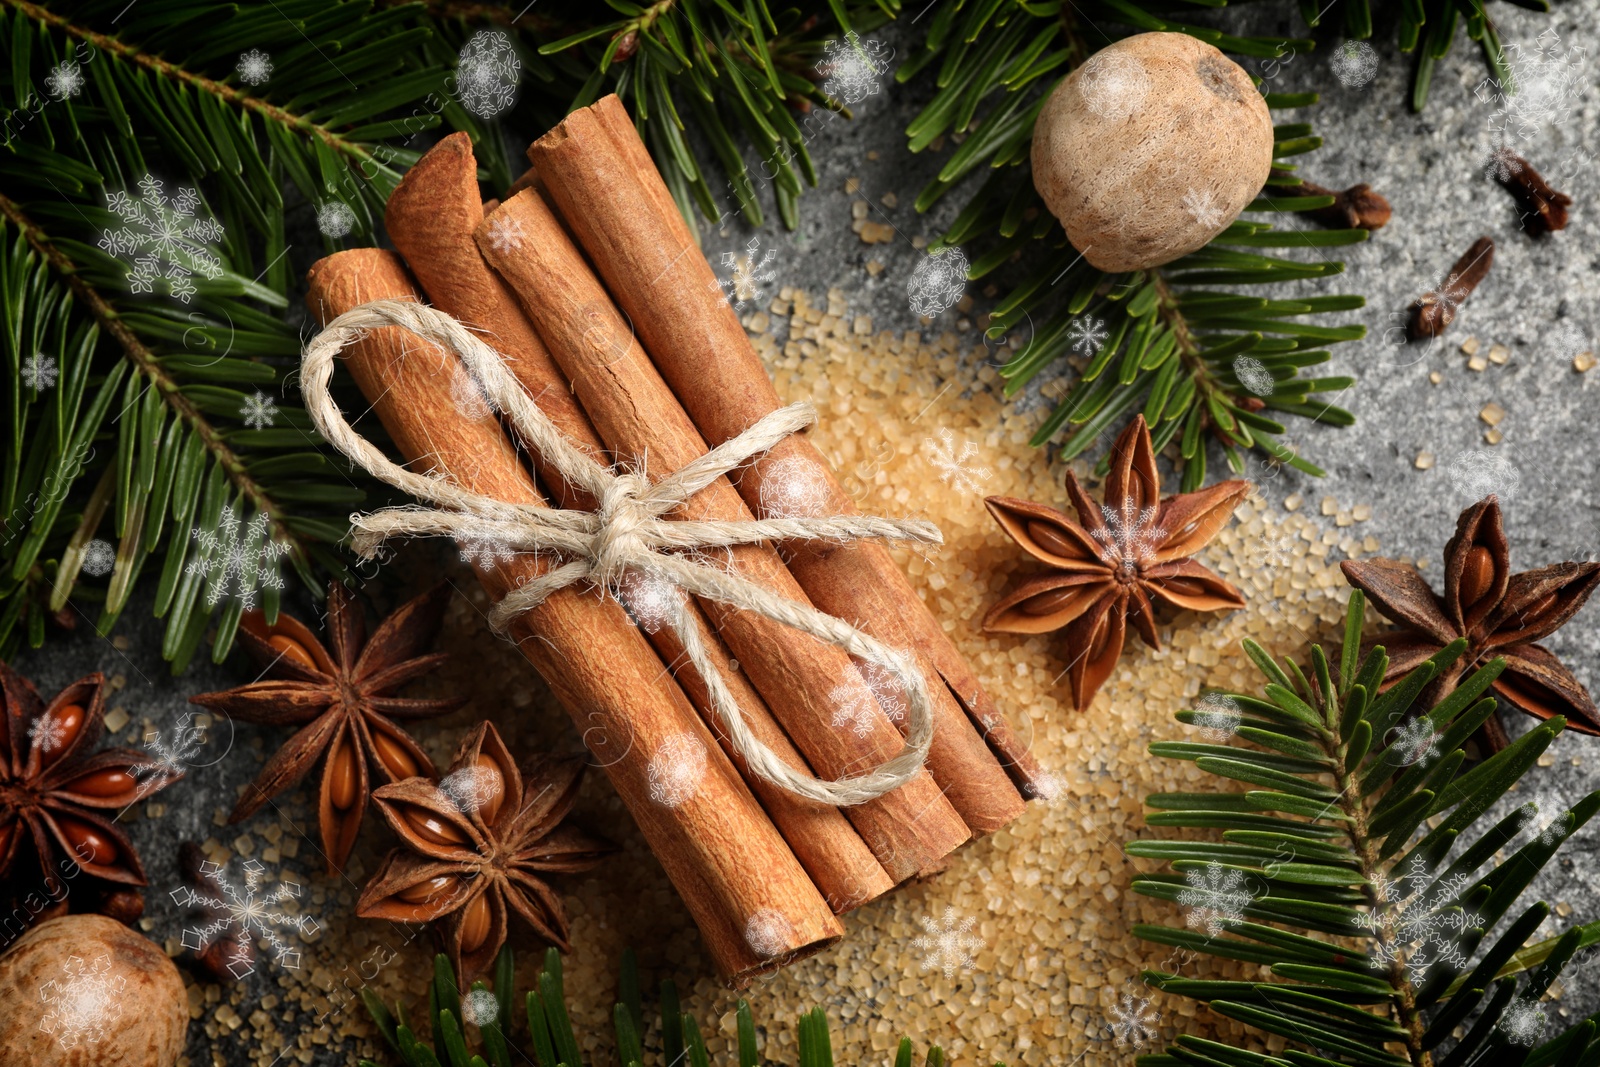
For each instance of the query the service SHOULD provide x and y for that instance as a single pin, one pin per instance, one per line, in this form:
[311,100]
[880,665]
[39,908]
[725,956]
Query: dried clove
[1357,208]
[1544,210]
[1436,310]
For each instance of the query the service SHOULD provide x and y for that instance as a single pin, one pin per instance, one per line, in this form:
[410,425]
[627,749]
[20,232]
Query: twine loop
[628,534]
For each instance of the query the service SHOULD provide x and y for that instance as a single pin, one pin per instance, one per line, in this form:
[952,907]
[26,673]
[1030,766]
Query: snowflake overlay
[65,80]
[852,69]
[470,788]
[1087,334]
[1132,1021]
[259,411]
[166,241]
[484,549]
[948,945]
[40,372]
[650,599]
[335,219]
[1216,898]
[76,1007]
[98,558]
[1201,204]
[246,914]
[939,281]
[237,562]
[505,233]
[1546,83]
[487,72]
[467,394]
[956,469]
[1133,534]
[1415,742]
[1567,339]
[747,274]
[49,731]
[1523,1023]
[676,769]
[1355,64]
[793,488]
[1416,923]
[768,933]
[1477,474]
[480,1008]
[1113,85]
[172,755]
[1274,552]
[1218,717]
[255,67]
[853,706]
[1254,375]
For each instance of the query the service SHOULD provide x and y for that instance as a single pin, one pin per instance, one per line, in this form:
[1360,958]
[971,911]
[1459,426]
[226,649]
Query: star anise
[1106,568]
[479,843]
[343,703]
[1499,613]
[54,786]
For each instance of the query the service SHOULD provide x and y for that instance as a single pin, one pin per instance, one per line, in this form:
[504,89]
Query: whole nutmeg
[86,991]
[1150,149]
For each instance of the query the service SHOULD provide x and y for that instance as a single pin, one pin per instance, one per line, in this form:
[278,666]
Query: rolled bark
[911,829]
[753,902]
[431,217]
[600,177]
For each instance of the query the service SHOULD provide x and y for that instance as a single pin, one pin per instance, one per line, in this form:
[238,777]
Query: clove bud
[1543,209]
[1436,310]
[1357,208]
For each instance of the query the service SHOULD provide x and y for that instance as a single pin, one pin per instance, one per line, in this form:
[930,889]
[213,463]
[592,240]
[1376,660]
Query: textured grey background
[1428,166]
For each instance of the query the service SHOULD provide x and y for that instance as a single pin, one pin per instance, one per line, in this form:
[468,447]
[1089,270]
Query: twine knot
[629,531]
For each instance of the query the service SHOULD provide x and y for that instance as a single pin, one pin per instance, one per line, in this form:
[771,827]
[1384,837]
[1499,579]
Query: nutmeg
[86,991]
[1150,149]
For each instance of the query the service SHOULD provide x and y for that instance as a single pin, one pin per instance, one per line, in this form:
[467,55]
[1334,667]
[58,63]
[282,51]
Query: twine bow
[627,535]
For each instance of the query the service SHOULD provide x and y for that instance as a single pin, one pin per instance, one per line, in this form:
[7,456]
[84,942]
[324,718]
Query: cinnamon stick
[601,179]
[431,217]
[909,830]
[753,903]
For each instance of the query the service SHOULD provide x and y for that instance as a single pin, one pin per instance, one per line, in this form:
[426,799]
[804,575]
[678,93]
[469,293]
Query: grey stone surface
[1428,166]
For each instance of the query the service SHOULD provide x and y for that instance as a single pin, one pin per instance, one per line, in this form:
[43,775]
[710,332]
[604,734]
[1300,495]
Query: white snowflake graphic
[175,752]
[747,273]
[65,80]
[334,218]
[1415,921]
[480,1008]
[676,770]
[1218,716]
[506,233]
[1201,204]
[768,933]
[467,394]
[237,561]
[470,788]
[1216,898]
[49,731]
[1415,742]
[1254,375]
[76,1007]
[1132,532]
[938,282]
[1523,1023]
[948,944]
[1087,334]
[793,488]
[40,372]
[98,558]
[853,69]
[1270,551]
[1545,88]
[1132,1021]
[484,549]
[255,67]
[259,411]
[244,914]
[1501,163]
[1355,64]
[487,72]
[956,468]
[164,238]
[650,599]
[853,706]
[1476,474]
[1113,84]
[1567,339]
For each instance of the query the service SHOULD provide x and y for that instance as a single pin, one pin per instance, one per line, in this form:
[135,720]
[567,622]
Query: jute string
[628,535]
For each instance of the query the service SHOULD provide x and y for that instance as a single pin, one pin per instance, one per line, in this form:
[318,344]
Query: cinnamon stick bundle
[911,829]
[600,177]
[753,902]
[431,217]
